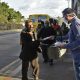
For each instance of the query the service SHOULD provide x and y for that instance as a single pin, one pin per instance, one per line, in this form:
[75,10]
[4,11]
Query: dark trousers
[44,52]
[25,65]
[35,66]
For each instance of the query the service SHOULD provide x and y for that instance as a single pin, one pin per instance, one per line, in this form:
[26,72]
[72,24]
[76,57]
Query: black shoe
[51,62]
[45,61]
[24,78]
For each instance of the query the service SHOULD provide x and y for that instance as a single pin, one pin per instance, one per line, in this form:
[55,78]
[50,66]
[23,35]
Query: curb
[8,78]
[14,30]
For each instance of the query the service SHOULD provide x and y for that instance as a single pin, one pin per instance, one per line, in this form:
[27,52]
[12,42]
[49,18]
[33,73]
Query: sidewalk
[10,30]
[61,70]
[8,78]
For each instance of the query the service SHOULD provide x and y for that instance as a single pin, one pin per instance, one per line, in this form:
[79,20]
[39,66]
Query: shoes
[51,62]
[24,78]
[36,78]
[45,61]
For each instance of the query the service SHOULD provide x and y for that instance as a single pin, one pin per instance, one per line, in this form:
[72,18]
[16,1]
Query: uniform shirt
[74,36]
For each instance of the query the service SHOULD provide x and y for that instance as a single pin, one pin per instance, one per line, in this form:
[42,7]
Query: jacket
[29,47]
[74,36]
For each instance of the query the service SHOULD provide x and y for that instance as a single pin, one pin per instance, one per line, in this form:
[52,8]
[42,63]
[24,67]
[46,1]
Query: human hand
[51,37]
[31,33]
[60,44]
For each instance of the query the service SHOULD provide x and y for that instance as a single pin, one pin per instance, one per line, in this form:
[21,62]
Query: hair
[68,11]
[27,21]
[55,21]
[51,20]
[42,23]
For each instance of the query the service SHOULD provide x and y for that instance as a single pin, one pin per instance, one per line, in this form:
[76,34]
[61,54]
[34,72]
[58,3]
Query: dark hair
[67,11]
[51,20]
[55,21]
[42,22]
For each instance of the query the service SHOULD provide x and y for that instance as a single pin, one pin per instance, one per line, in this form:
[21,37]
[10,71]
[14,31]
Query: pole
[68,2]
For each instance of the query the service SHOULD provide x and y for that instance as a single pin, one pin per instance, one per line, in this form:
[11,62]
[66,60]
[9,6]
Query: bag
[53,52]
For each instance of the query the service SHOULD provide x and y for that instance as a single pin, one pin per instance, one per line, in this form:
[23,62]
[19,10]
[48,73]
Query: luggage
[55,52]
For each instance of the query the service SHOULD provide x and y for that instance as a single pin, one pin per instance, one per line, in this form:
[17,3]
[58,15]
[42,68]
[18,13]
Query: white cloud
[26,7]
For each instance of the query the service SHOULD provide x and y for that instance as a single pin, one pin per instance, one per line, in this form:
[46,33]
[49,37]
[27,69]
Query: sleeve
[74,45]
[62,38]
[39,35]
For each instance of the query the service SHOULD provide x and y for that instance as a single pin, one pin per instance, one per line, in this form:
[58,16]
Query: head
[29,25]
[42,23]
[68,14]
[51,21]
[46,23]
[55,22]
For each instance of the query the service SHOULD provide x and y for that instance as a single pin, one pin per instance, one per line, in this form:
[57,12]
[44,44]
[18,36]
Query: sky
[27,7]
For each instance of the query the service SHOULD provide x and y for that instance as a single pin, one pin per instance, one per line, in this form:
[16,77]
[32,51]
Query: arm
[74,45]
[62,38]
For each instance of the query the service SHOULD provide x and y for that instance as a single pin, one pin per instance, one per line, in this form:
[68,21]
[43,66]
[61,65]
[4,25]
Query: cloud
[52,7]
[40,4]
[26,7]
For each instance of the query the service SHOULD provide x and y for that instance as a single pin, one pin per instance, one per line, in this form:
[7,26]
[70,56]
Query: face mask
[65,21]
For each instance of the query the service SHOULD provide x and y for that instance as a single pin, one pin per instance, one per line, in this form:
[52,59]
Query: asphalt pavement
[4,32]
[61,70]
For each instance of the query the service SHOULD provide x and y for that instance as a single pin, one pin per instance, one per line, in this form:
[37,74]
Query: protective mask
[65,21]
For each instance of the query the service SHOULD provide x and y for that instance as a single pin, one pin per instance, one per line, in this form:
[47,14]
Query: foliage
[9,15]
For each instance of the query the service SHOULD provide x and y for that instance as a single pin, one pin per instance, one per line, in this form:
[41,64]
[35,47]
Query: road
[10,64]
[9,48]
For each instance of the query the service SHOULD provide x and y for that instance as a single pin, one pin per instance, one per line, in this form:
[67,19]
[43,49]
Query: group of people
[31,42]
[48,28]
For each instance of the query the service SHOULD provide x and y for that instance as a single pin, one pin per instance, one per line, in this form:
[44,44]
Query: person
[56,27]
[55,31]
[29,51]
[74,38]
[46,31]
[40,35]
[64,29]
[40,26]
[51,21]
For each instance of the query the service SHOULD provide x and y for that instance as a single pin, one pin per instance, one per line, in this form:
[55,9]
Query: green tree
[8,16]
